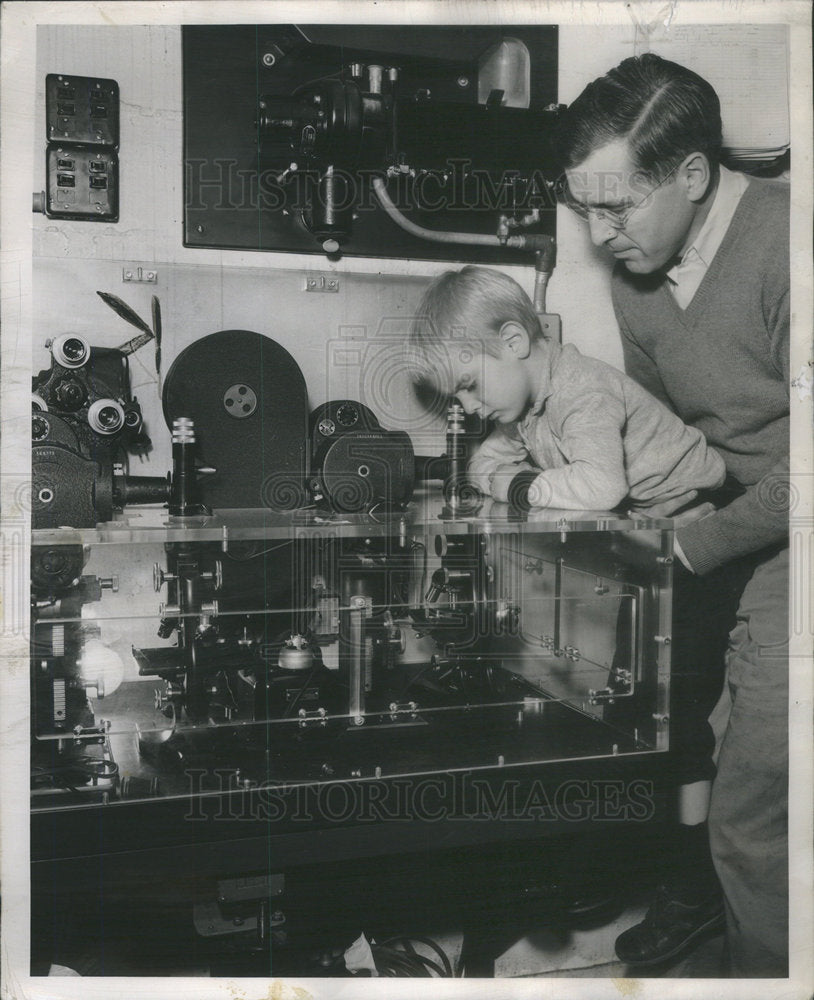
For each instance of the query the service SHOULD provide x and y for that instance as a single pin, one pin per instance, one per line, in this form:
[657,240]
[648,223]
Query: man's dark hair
[665,111]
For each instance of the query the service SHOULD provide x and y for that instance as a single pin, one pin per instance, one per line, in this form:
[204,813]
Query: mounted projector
[289,129]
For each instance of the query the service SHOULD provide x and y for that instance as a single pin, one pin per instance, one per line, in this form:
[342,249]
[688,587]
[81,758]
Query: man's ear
[696,174]
[515,339]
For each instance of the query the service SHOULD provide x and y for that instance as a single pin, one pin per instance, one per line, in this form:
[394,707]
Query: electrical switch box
[82,183]
[81,159]
[82,109]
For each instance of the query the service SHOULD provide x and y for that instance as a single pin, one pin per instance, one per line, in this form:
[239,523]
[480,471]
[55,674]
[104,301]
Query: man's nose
[601,232]
[468,403]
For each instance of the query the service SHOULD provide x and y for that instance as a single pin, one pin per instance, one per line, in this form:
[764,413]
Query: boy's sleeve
[590,428]
[501,456]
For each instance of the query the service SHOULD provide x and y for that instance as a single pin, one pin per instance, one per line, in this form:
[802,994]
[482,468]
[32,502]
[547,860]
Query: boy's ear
[515,338]
[696,175]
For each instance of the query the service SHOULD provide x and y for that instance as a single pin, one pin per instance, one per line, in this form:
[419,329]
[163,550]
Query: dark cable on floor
[398,957]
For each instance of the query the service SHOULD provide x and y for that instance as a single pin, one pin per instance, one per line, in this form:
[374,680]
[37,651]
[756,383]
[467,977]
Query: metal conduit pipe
[473,239]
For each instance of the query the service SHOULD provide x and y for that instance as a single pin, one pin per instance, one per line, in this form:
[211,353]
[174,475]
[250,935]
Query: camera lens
[105,416]
[74,349]
[39,428]
[70,351]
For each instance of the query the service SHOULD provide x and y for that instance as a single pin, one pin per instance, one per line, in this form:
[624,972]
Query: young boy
[571,432]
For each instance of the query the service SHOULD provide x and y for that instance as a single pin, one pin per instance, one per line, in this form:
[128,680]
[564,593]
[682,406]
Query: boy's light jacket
[598,438]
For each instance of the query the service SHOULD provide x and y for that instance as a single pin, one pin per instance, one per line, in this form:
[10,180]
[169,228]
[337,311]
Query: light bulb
[101,667]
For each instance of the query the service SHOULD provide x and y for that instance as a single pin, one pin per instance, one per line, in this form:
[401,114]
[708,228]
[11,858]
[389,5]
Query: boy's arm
[501,456]
[589,428]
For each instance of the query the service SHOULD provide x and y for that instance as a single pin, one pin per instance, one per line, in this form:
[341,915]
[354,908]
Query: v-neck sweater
[722,364]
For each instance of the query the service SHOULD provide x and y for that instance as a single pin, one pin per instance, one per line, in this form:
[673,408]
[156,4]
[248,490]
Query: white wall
[581,290]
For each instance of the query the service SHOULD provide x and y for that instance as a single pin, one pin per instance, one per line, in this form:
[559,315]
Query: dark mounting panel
[235,200]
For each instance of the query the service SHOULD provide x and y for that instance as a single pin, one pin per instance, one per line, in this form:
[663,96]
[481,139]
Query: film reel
[248,400]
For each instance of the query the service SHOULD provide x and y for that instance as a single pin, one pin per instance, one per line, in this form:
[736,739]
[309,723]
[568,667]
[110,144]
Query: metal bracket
[321,283]
[250,887]
[605,694]
[210,922]
[139,274]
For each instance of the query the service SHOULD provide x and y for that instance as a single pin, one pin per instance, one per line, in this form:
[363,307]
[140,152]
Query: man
[701,294]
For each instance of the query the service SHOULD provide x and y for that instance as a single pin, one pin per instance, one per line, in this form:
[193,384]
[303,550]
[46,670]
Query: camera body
[356,464]
[83,417]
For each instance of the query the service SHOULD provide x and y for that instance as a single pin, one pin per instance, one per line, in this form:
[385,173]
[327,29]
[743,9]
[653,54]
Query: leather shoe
[668,927]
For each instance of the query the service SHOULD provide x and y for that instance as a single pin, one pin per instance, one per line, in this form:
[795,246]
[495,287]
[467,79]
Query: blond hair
[461,310]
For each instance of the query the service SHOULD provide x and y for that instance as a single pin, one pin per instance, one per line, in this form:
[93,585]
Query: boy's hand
[500,480]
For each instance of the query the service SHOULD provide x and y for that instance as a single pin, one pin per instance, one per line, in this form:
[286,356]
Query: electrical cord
[233,557]
[397,956]
[84,767]
[389,508]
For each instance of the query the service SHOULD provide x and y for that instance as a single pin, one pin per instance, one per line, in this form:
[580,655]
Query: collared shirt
[687,275]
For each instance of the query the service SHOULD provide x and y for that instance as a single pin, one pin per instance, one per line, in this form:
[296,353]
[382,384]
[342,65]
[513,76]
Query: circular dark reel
[248,400]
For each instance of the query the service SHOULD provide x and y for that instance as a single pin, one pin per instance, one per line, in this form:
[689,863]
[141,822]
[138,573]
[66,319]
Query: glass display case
[176,657]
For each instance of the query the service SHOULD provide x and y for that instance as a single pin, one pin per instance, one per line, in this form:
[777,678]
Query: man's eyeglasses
[616,220]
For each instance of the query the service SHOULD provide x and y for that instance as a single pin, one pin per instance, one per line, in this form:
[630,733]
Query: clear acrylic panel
[276,648]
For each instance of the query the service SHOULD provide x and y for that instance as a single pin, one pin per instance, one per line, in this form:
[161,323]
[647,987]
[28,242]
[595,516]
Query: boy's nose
[469,404]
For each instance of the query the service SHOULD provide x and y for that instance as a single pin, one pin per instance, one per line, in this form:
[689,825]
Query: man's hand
[668,507]
[693,514]
[680,520]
